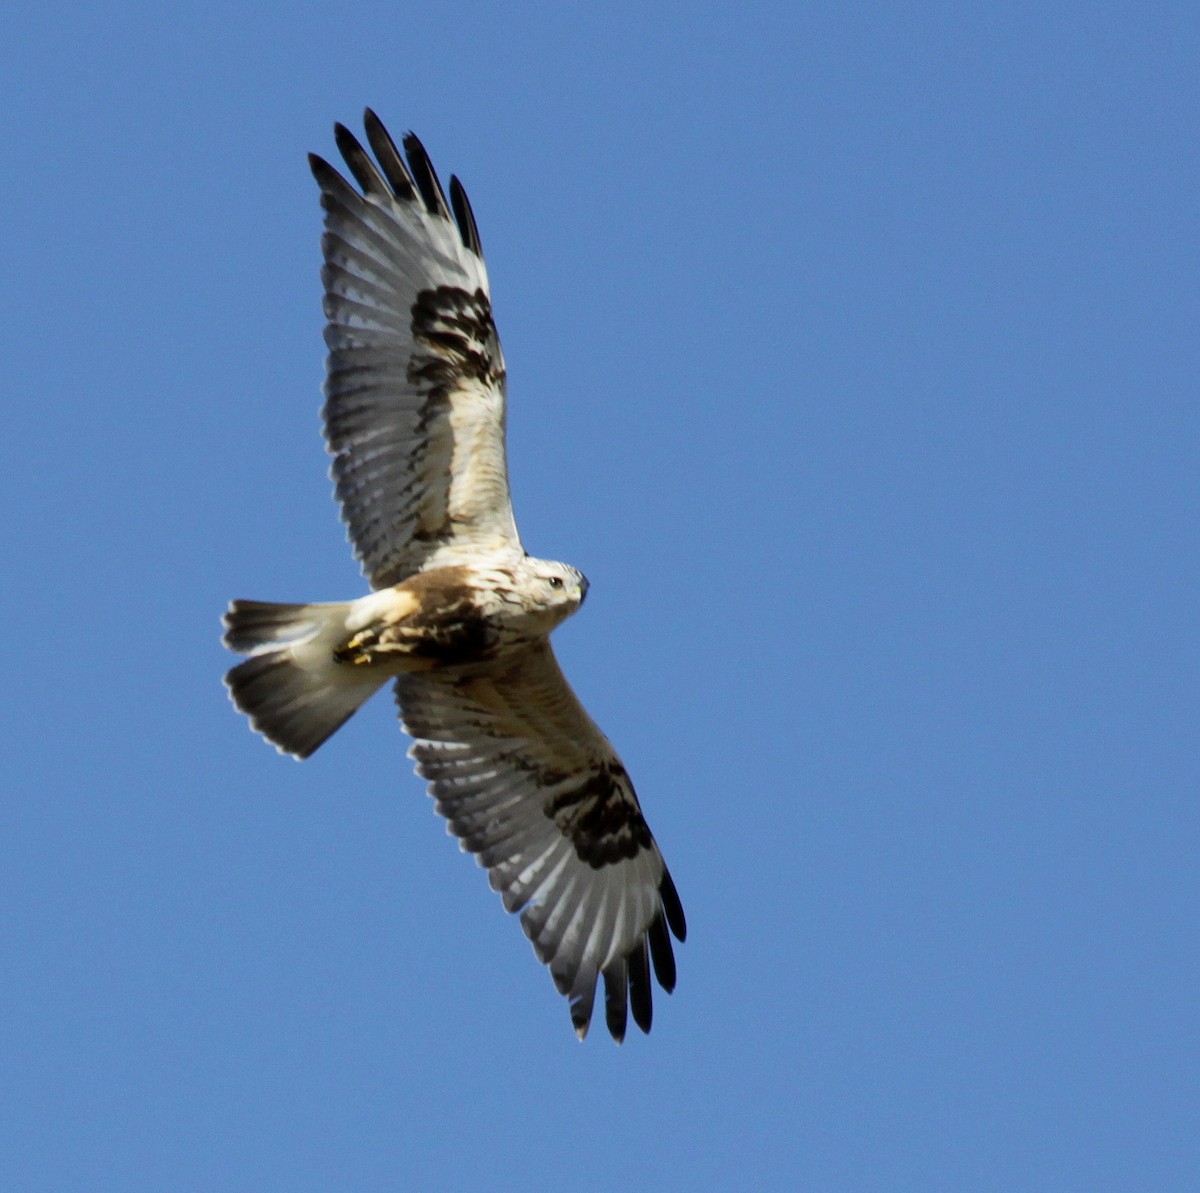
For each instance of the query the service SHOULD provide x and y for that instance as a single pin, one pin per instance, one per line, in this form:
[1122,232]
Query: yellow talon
[357,650]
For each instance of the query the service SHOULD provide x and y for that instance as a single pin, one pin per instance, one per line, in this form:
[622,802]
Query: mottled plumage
[459,616]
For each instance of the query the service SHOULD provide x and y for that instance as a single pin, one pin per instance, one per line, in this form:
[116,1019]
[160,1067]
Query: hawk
[459,615]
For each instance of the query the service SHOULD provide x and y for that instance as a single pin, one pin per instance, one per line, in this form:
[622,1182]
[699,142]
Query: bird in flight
[459,615]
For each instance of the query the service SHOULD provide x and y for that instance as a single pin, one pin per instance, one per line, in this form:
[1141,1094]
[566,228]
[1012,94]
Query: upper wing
[532,786]
[414,410]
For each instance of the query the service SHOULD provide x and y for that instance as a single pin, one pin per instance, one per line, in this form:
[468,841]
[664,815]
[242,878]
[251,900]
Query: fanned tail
[291,687]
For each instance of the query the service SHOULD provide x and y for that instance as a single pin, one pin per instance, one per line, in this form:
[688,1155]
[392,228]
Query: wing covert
[415,388]
[532,787]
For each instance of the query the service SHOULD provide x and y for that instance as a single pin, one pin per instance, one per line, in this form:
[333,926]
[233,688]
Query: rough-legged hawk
[459,615]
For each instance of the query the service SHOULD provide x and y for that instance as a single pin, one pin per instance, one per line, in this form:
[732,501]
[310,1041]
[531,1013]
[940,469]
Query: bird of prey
[459,615]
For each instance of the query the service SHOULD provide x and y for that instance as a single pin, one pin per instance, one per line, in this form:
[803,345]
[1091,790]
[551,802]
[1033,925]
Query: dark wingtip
[465,217]
[579,1004]
[672,907]
[425,176]
[335,189]
[641,998]
[661,953]
[616,1000]
[388,156]
[321,169]
[359,161]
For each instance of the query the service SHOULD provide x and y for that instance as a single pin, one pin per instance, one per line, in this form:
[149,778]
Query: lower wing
[531,785]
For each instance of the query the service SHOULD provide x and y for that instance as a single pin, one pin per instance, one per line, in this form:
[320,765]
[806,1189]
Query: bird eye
[555,582]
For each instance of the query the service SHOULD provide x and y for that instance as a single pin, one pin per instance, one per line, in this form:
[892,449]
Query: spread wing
[414,397]
[531,785]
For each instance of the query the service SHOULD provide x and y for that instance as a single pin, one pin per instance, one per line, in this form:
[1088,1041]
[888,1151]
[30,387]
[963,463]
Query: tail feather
[291,687]
[254,626]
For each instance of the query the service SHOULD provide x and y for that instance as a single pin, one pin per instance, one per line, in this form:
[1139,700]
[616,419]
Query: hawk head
[547,593]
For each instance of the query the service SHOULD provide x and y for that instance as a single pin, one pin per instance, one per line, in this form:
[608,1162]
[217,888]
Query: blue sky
[853,356]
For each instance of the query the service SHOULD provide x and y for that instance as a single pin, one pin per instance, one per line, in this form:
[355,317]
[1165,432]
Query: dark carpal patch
[601,817]
[458,328]
[454,341]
